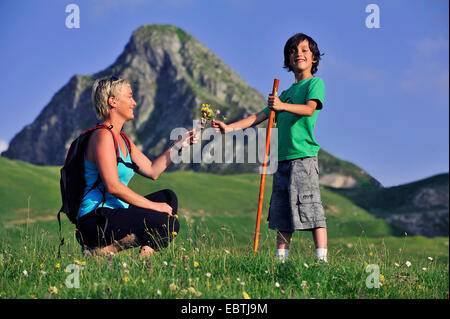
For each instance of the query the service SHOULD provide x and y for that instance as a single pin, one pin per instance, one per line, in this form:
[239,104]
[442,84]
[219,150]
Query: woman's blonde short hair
[103,89]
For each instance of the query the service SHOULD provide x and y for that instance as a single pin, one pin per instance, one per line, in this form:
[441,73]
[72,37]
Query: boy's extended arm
[247,122]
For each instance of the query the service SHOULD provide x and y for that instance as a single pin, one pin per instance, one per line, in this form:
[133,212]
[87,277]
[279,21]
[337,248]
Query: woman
[112,217]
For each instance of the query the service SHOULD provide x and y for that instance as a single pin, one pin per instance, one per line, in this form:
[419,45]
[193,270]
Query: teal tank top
[95,196]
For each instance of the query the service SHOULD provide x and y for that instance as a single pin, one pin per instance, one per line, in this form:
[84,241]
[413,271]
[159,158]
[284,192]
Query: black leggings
[144,227]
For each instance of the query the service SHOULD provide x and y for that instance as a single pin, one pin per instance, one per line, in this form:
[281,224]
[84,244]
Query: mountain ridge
[420,207]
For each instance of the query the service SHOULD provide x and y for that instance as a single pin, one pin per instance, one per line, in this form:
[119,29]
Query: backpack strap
[131,165]
[61,239]
[109,128]
[127,141]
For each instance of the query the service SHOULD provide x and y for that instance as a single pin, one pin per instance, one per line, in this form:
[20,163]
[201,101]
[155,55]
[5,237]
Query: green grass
[27,189]
[215,267]
[217,216]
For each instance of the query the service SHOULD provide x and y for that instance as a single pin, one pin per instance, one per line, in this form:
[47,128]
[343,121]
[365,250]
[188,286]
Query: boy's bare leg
[283,240]
[320,237]
[320,241]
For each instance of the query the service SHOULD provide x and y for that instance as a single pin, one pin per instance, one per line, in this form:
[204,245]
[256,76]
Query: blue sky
[386,106]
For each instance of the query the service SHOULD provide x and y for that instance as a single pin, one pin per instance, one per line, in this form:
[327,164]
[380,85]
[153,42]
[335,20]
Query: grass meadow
[212,256]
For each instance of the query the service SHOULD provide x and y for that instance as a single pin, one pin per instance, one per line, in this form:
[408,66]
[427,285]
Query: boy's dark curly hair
[291,45]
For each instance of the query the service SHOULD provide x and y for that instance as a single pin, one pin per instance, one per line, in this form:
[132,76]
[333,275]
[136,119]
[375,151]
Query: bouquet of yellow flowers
[209,114]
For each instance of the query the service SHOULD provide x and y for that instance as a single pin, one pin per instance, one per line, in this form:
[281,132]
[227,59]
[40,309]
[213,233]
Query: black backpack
[73,183]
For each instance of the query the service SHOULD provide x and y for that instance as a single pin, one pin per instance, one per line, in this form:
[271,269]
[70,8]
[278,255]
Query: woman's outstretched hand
[191,137]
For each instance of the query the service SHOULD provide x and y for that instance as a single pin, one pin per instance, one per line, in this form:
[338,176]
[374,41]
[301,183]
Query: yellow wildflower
[174,233]
[206,111]
[191,290]
[246,296]
[126,279]
[42,266]
[194,292]
[53,290]
[79,262]
[58,265]
[173,287]
[371,253]
[196,264]
[382,277]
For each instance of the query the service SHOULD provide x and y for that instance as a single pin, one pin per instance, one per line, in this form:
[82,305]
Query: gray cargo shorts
[295,203]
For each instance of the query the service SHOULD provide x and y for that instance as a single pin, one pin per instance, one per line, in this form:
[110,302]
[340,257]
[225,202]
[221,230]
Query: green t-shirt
[296,132]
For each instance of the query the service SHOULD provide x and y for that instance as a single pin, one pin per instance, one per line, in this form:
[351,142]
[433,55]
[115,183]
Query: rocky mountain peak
[171,74]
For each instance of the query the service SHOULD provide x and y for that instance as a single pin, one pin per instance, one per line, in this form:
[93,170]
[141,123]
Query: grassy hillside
[402,199]
[212,265]
[27,188]
[332,164]
[212,256]
[218,200]
[421,207]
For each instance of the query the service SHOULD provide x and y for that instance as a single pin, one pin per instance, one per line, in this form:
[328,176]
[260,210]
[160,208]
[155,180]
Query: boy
[295,203]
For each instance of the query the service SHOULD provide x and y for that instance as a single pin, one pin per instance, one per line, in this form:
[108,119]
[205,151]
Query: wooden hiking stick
[263,175]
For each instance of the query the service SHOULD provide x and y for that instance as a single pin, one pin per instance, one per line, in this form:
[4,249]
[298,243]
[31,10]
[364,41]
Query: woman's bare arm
[102,147]
[154,169]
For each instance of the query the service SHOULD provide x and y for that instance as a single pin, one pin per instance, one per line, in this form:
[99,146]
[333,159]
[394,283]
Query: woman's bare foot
[146,251]
[94,252]
[127,242]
